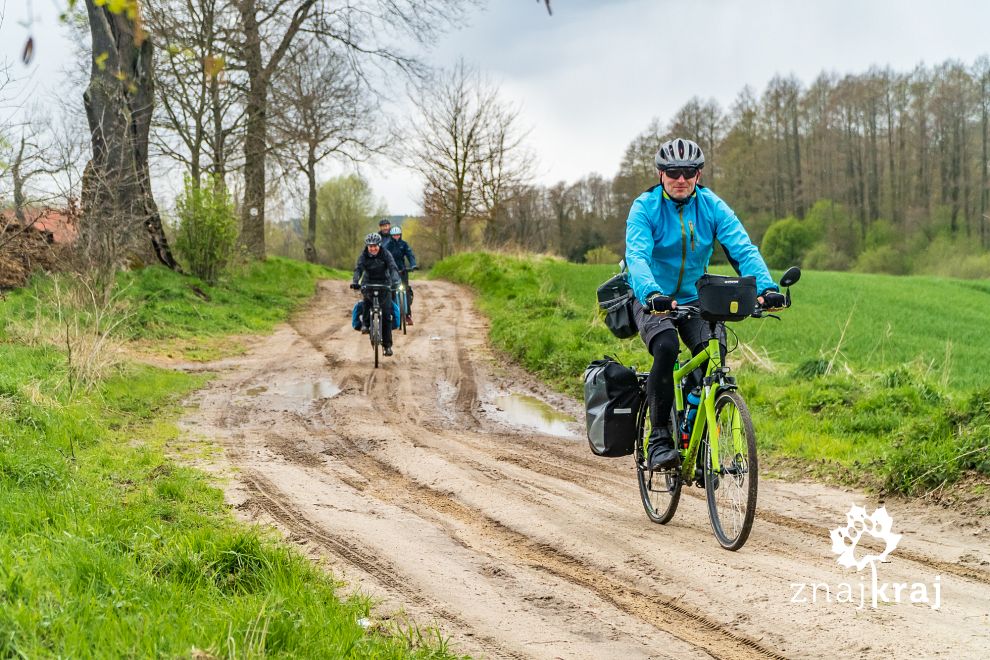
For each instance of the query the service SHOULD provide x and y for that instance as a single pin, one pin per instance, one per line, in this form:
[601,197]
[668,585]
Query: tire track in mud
[268,498]
[662,612]
[466,399]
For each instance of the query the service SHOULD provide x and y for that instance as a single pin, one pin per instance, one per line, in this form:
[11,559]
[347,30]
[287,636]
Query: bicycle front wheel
[660,490]
[731,484]
[376,333]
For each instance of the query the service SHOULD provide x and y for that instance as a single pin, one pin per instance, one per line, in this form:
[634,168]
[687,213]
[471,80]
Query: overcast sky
[593,75]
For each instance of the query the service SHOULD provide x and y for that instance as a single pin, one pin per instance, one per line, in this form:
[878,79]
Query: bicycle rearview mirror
[791,275]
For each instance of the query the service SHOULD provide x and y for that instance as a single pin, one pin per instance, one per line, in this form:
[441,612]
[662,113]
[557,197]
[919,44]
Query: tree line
[869,171]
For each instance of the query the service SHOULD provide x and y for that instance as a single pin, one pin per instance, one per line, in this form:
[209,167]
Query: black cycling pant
[387,319]
[664,347]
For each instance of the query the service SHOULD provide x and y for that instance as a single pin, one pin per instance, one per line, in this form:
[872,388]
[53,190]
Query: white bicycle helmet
[679,153]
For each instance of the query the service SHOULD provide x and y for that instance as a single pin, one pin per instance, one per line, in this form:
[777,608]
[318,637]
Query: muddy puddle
[296,394]
[528,411]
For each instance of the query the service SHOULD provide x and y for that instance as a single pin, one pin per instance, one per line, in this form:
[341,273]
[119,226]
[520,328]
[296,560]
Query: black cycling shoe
[661,452]
[388,351]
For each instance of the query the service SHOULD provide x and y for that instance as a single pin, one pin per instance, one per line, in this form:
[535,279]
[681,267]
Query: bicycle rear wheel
[731,487]
[376,332]
[659,490]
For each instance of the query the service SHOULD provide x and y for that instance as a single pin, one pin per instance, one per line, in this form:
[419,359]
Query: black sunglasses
[677,172]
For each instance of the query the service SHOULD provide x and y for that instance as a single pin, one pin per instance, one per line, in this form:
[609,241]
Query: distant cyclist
[383,230]
[669,236]
[377,267]
[402,253]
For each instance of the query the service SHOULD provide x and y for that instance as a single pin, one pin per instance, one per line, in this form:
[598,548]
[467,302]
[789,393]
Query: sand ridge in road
[523,545]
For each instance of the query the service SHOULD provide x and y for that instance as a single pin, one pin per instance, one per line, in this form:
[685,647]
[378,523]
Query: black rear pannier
[611,403]
[726,298]
[615,298]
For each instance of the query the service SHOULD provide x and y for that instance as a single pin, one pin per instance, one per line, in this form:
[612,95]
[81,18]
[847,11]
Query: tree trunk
[255,137]
[15,173]
[119,210]
[985,160]
[311,228]
[219,153]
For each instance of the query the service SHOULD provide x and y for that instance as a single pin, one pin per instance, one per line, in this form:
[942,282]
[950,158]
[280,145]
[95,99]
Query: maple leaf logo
[878,525]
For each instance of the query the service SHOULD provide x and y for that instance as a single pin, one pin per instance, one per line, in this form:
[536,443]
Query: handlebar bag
[611,403]
[726,298]
[615,298]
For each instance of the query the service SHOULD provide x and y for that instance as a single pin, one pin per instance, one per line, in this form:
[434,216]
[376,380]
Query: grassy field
[109,548]
[874,379]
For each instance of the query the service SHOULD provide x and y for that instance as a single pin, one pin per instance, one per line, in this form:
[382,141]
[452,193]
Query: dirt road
[423,488]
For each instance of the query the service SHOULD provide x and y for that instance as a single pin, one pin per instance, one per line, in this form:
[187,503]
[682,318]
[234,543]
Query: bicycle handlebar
[688,311]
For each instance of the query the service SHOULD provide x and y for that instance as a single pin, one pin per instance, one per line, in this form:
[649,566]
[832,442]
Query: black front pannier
[726,298]
[615,298]
[611,403]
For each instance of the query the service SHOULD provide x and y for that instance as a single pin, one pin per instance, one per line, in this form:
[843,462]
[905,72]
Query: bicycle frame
[713,354]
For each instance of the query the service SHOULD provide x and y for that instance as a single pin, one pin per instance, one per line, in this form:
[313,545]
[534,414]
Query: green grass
[903,407]
[183,316]
[108,548]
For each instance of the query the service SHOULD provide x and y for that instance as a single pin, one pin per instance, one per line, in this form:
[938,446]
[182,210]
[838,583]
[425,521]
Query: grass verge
[858,382]
[109,548]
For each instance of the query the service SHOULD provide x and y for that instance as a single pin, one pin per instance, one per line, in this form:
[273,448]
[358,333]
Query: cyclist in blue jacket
[670,233]
[402,253]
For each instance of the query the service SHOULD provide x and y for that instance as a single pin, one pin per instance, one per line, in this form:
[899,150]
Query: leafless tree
[200,97]
[365,30]
[322,110]
[466,143]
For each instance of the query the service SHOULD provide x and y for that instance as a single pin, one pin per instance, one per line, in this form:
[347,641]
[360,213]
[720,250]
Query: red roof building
[45,220]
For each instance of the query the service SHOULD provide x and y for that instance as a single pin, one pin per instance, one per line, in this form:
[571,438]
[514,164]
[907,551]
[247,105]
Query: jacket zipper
[691,225]
[680,276]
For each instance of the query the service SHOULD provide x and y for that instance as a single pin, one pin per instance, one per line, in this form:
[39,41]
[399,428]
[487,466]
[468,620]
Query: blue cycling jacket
[669,244]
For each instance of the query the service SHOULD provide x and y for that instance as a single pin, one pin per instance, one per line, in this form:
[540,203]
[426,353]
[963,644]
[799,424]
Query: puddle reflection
[530,411]
[323,388]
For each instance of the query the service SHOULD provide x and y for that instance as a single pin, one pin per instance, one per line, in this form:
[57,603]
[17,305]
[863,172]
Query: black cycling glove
[773,299]
[355,286]
[657,302]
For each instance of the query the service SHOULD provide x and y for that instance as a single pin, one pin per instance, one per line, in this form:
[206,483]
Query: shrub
[601,255]
[824,256]
[882,259]
[207,231]
[786,243]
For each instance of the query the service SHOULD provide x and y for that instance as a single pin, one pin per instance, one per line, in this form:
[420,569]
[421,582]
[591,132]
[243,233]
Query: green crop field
[869,378]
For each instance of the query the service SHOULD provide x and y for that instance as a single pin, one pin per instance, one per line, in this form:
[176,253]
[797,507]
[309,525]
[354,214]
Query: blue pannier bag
[356,315]
[358,310]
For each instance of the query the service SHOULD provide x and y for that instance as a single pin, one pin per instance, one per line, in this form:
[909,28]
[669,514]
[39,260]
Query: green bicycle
[720,455]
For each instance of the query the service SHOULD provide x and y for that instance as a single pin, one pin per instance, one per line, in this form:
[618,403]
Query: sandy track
[517,544]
